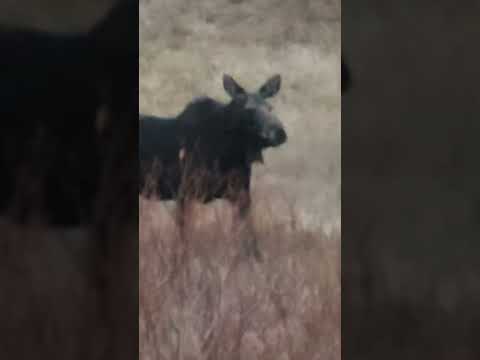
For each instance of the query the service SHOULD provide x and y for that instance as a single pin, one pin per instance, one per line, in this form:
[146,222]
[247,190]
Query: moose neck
[244,147]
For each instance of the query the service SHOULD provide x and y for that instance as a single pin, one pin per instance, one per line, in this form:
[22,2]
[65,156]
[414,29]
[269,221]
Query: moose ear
[231,86]
[271,87]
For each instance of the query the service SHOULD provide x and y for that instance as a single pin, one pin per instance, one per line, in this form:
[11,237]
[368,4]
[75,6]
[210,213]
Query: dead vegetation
[202,298]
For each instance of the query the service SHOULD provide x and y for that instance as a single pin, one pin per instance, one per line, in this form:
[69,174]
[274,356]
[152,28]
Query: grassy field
[199,298]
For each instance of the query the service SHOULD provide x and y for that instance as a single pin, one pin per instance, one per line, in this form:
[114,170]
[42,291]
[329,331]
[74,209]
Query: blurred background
[58,301]
[410,180]
[53,15]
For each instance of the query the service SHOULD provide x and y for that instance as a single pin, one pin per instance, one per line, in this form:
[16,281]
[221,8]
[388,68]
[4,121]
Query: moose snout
[276,136]
[281,136]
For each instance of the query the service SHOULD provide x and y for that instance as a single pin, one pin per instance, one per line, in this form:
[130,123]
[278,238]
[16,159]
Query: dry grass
[200,298]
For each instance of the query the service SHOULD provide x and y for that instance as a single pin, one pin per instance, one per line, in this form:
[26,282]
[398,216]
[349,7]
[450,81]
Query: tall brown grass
[202,298]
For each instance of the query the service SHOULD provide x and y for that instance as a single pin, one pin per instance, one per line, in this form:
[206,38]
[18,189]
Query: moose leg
[181,217]
[250,242]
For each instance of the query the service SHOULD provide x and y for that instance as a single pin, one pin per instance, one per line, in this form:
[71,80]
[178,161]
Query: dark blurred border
[69,287]
[410,175]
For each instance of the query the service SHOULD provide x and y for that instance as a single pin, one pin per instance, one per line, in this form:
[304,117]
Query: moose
[207,151]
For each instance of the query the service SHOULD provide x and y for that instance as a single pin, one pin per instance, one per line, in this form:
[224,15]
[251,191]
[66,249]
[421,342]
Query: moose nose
[279,136]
